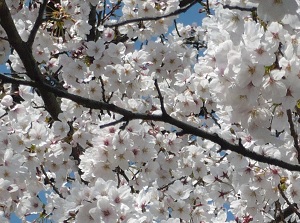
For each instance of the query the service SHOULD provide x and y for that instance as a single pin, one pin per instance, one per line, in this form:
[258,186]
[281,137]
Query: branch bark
[176,12]
[92,21]
[37,23]
[294,133]
[252,9]
[186,128]
[25,53]
[284,214]
[294,208]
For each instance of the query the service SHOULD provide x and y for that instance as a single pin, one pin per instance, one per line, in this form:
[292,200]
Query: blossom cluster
[236,76]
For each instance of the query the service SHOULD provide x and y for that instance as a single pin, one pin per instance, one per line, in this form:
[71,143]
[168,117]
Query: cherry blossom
[116,112]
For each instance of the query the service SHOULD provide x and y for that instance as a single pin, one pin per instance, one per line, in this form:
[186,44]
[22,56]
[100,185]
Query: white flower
[159,210]
[61,129]
[81,28]
[273,87]
[41,54]
[7,101]
[107,211]
[279,9]
[17,112]
[238,70]
[38,134]
[171,220]
[116,50]
[250,73]
[251,195]
[108,34]
[178,191]
[86,214]
[180,209]
[95,49]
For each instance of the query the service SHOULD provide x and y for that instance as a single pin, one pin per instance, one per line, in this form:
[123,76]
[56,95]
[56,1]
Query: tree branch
[252,9]
[37,23]
[170,183]
[6,79]
[113,123]
[176,28]
[111,13]
[161,99]
[187,128]
[207,7]
[49,182]
[25,54]
[92,22]
[176,12]
[294,134]
[284,214]
[288,202]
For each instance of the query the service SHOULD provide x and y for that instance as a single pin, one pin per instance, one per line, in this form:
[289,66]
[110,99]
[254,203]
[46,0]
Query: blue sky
[192,15]
[189,17]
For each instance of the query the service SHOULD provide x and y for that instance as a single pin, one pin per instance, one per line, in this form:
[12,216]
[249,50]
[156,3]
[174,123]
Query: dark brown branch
[161,99]
[3,115]
[112,11]
[92,22]
[176,28]
[113,123]
[252,9]
[187,128]
[6,79]
[170,183]
[207,7]
[25,54]
[184,3]
[214,119]
[284,214]
[294,134]
[37,23]
[295,210]
[49,182]
[3,38]
[176,12]
[122,173]
[102,88]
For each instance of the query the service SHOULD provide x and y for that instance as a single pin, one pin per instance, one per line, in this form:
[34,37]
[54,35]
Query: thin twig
[4,38]
[176,12]
[115,7]
[161,99]
[169,184]
[100,16]
[252,9]
[122,173]
[38,22]
[102,88]
[288,202]
[207,8]
[284,213]
[176,28]
[3,115]
[57,71]
[6,79]
[49,181]
[118,176]
[294,133]
[113,123]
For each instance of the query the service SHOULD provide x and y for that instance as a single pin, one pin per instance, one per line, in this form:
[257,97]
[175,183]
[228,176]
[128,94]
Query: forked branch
[186,128]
